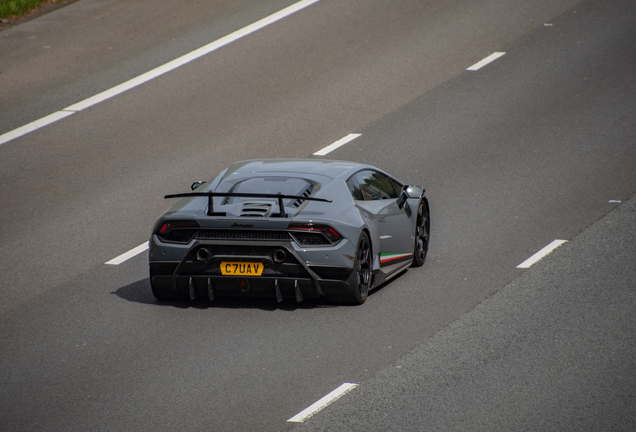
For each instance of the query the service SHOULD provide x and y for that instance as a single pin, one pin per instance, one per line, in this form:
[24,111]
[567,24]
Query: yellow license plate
[230,268]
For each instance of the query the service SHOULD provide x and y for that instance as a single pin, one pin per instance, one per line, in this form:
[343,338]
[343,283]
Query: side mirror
[404,195]
[196,185]
[401,201]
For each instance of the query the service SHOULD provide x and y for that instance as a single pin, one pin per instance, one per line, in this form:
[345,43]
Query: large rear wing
[211,195]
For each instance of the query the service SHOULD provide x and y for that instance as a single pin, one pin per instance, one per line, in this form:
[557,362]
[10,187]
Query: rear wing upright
[211,195]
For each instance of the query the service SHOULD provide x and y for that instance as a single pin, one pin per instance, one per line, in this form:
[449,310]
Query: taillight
[309,227]
[177,231]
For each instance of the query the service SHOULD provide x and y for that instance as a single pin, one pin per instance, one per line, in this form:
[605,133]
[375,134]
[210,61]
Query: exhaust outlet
[203,254]
[279,255]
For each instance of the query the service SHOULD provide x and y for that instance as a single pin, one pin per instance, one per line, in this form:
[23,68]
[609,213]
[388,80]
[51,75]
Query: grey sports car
[289,228]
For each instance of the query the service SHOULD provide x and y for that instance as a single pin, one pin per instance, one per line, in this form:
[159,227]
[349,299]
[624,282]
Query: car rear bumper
[211,286]
[285,273]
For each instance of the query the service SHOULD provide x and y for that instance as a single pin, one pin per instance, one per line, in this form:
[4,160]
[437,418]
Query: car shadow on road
[140,292]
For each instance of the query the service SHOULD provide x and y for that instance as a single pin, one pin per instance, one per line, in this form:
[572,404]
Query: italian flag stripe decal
[387,257]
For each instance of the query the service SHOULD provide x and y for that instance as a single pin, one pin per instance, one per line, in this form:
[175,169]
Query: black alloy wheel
[362,276]
[422,234]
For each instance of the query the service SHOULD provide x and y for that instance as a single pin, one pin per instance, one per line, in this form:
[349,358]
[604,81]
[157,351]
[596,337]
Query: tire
[362,276]
[422,234]
[165,294]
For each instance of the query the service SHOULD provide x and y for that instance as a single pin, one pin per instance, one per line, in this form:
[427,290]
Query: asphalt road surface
[554,350]
[536,146]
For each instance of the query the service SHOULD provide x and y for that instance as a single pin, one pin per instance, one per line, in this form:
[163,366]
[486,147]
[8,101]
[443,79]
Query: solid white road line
[541,254]
[23,130]
[128,255]
[491,58]
[337,144]
[213,46]
[322,403]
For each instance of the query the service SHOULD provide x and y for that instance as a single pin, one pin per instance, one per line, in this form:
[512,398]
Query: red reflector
[164,228]
[334,232]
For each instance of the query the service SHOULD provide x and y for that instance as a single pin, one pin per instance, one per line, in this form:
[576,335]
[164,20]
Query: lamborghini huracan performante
[289,228]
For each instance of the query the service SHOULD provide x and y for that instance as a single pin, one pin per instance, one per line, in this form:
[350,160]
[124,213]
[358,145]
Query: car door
[377,194]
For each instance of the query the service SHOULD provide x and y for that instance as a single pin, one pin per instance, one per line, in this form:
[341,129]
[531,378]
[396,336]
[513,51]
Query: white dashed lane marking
[541,254]
[337,144]
[491,58]
[128,255]
[322,403]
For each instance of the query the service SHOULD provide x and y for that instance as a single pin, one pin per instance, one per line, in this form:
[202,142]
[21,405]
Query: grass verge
[17,8]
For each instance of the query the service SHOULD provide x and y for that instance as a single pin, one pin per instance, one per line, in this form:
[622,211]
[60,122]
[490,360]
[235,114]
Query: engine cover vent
[307,192]
[256,209]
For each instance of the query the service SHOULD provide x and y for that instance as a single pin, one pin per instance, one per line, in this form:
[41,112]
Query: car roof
[328,168]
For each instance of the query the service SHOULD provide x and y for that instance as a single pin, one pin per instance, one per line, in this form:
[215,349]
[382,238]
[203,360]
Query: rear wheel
[422,234]
[361,278]
[165,294]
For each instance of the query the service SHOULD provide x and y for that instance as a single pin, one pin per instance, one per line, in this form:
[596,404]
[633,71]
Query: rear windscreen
[270,185]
